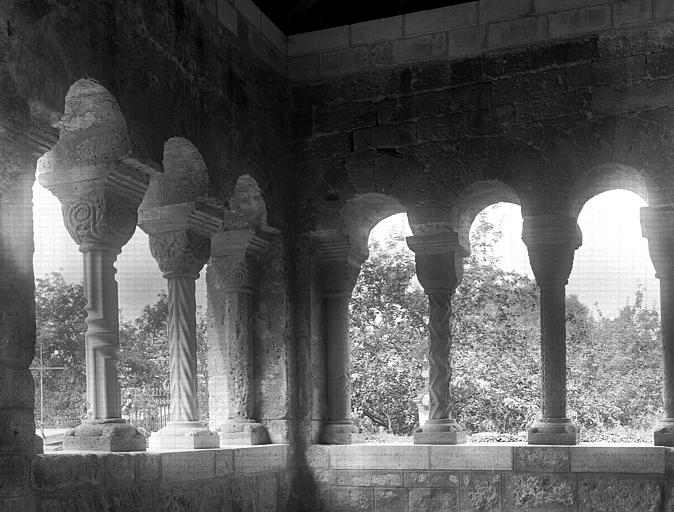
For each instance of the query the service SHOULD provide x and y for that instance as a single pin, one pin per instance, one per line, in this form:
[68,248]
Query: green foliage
[615,371]
[59,312]
[388,324]
[144,359]
[614,364]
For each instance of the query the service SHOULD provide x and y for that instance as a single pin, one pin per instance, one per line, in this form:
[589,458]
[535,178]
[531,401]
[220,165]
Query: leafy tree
[388,326]
[60,316]
[59,312]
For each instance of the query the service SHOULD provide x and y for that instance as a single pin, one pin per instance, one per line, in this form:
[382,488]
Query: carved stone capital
[657,225]
[439,260]
[101,212]
[551,241]
[180,252]
[180,235]
[235,257]
[340,258]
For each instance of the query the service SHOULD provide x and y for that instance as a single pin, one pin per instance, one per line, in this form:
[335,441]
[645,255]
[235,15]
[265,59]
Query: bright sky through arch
[138,277]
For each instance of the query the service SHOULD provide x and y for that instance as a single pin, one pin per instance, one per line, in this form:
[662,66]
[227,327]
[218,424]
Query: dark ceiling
[297,16]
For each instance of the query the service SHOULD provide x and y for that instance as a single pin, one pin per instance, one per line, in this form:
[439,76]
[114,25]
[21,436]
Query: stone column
[181,254]
[551,241]
[231,276]
[439,266]
[100,216]
[17,307]
[657,224]
[340,261]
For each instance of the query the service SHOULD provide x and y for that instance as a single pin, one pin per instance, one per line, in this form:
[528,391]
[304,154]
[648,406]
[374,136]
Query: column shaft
[439,347]
[338,356]
[102,335]
[667,335]
[182,339]
[237,331]
[553,350]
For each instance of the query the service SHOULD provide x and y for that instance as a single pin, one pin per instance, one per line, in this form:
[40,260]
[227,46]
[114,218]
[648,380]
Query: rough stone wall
[207,480]
[175,71]
[487,479]
[540,119]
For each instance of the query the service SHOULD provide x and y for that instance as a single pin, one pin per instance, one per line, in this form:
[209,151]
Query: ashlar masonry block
[471,457]
[378,457]
[632,11]
[618,459]
[494,10]
[438,20]
[578,21]
[517,31]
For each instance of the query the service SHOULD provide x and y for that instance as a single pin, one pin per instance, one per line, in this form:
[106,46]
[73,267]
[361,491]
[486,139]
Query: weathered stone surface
[430,500]
[352,498]
[540,492]
[471,457]
[61,472]
[367,478]
[120,469]
[224,463]
[623,459]
[390,500]
[431,478]
[182,466]
[378,457]
[480,492]
[148,467]
[260,458]
[541,458]
[74,501]
[267,490]
[125,498]
[615,494]
[13,475]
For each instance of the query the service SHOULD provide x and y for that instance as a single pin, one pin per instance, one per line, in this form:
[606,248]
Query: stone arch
[362,213]
[184,177]
[475,198]
[603,178]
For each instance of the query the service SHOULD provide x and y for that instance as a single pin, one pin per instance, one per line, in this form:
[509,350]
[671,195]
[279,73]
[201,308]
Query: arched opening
[388,332]
[614,352]
[495,330]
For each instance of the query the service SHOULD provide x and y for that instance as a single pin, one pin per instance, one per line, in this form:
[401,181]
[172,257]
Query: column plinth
[231,276]
[657,224]
[551,241]
[439,268]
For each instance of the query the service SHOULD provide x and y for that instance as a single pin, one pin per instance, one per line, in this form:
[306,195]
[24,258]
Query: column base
[559,431]
[664,432]
[243,432]
[337,432]
[444,431]
[184,435]
[110,435]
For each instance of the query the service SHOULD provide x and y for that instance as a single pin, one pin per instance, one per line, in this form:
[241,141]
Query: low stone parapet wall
[250,478]
[508,477]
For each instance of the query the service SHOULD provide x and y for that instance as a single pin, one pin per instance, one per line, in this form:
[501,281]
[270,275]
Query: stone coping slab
[628,458]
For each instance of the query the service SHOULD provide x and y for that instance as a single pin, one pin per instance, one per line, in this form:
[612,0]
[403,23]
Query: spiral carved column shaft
[439,359]
[182,338]
[439,267]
